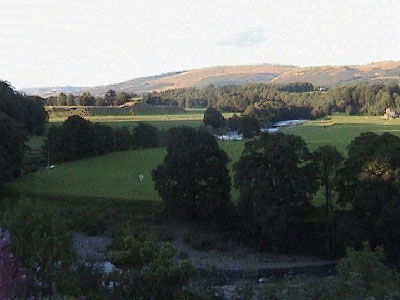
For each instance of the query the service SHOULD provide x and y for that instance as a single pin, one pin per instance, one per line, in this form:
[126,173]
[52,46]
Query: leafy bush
[14,280]
[41,241]
[148,271]
[361,276]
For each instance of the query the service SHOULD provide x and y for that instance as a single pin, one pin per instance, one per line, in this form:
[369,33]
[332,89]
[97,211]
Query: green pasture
[111,176]
[116,175]
[187,115]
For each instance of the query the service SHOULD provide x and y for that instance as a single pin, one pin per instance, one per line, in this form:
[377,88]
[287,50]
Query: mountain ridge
[234,75]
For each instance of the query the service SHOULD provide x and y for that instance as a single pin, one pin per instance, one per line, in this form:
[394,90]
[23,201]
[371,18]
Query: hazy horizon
[84,43]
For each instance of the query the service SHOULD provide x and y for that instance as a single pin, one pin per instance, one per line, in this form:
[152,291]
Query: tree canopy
[193,180]
[12,146]
[213,118]
[27,111]
[276,184]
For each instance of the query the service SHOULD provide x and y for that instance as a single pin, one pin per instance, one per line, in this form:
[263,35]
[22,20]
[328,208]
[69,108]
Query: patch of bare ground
[206,252]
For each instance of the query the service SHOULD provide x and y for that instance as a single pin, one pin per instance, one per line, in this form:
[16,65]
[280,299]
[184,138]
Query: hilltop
[235,75]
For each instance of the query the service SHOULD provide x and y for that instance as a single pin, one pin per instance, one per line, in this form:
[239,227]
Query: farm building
[230,136]
[390,113]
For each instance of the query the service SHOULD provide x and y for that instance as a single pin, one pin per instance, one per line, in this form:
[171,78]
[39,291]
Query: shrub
[14,280]
[148,270]
[41,241]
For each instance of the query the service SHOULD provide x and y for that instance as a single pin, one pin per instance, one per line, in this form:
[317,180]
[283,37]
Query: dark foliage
[213,118]
[110,97]
[297,87]
[276,184]
[12,146]
[78,138]
[369,182]
[292,101]
[248,126]
[145,136]
[193,180]
[27,111]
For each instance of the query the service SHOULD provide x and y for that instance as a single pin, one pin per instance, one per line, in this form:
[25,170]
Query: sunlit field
[116,175]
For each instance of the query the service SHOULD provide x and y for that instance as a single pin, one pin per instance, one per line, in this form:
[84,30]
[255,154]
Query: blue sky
[94,42]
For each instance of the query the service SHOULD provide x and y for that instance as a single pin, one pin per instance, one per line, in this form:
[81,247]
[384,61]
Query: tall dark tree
[12,146]
[75,139]
[213,118]
[276,183]
[86,99]
[327,161]
[122,138]
[110,97]
[193,180]
[70,100]
[35,117]
[248,126]
[370,182]
[145,136]
[62,99]
[27,111]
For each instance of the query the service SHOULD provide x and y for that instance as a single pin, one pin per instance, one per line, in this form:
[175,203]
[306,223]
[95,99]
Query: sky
[96,42]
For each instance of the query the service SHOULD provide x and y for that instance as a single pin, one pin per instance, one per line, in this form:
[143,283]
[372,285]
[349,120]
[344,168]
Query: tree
[122,138]
[86,99]
[110,97]
[249,126]
[12,146]
[122,98]
[62,99]
[369,181]
[100,101]
[70,100]
[327,161]
[193,180]
[25,110]
[75,139]
[145,136]
[35,117]
[276,184]
[213,118]
[42,243]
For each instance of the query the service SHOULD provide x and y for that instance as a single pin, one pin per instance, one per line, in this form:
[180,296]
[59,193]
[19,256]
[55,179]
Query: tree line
[20,116]
[111,98]
[277,177]
[78,138]
[279,101]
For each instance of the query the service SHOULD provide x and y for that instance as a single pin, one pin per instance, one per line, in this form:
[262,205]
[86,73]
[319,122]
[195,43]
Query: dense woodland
[280,102]
[20,116]
[111,98]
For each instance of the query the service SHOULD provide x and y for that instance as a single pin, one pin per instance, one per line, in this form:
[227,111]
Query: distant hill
[233,75]
[51,91]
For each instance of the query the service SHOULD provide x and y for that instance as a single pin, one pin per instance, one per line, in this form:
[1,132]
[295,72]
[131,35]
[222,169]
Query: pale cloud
[248,38]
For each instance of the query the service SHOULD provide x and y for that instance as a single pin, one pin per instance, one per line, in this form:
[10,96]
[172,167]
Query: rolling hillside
[234,75]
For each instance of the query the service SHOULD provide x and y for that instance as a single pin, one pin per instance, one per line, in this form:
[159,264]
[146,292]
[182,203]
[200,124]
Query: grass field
[115,176]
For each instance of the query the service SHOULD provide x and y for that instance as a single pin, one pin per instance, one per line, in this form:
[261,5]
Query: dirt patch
[235,261]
